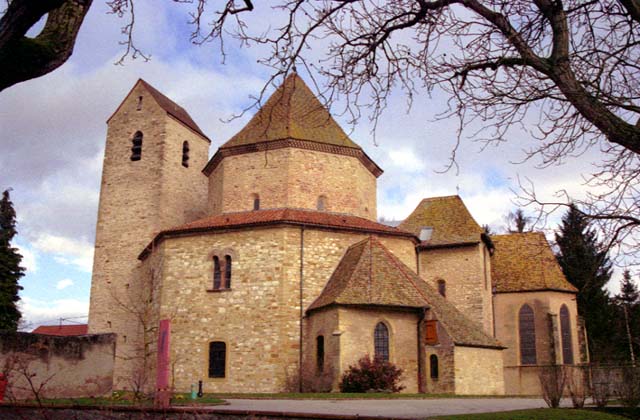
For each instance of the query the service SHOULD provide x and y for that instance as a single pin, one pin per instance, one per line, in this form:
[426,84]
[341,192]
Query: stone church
[271,273]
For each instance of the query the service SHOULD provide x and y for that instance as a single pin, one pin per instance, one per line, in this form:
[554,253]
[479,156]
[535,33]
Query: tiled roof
[369,274]
[173,108]
[64,330]
[524,262]
[294,112]
[448,217]
[281,216]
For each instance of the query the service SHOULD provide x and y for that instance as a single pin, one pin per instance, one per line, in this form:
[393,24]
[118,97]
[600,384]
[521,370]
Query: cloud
[40,312]
[67,251]
[64,283]
[28,259]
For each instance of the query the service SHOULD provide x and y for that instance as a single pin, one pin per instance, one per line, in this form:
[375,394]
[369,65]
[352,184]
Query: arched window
[227,271]
[322,203]
[185,154]
[136,146]
[442,287]
[433,366]
[217,273]
[527,331]
[565,332]
[381,342]
[320,353]
[217,359]
[139,106]
[256,201]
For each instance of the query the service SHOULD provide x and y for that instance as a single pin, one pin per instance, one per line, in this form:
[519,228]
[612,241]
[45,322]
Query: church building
[270,272]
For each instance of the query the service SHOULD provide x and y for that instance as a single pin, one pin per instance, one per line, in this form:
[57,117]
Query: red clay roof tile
[63,330]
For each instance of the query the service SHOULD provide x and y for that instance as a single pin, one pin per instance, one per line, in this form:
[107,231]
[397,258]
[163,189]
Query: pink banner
[164,336]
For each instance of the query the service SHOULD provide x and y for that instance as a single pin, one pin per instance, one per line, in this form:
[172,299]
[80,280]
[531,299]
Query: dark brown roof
[448,217]
[281,216]
[294,112]
[369,274]
[173,108]
[63,330]
[524,262]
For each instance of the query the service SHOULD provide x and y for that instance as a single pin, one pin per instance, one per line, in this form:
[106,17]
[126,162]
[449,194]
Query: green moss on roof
[448,217]
[293,111]
[524,262]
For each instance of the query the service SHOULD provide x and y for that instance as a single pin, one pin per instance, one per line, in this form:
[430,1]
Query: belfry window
[139,106]
[322,203]
[381,342]
[136,146]
[320,353]
[256,201]
[527,335]
[442,287]
[565,332]
[433,366]
[217,273]
[217,359]
[185,154]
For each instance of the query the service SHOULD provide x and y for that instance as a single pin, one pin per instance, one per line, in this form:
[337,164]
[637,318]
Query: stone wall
[59,367]
[315,379]
[523,380]
[478,371]
[294,178]
[444,351]
[467,274]
[137,200]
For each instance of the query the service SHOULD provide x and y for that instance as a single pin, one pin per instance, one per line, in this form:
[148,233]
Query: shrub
[552,381]
[628,387]
[371,375]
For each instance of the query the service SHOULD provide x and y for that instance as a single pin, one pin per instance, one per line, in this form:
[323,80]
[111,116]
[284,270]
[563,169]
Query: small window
[227,271]
[433,366]
[139,106]
[217,273]
[442,288]
[185,154]
[256,202]
[565,332]
[381,342]
[431,332]
[527,334]
[320,353]
[322,203]
[425,233]
[217,359]
[136,146]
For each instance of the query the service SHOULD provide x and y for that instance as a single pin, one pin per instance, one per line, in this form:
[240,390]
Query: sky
[53,131]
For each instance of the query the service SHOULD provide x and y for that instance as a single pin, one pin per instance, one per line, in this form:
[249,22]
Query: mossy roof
[292,112]
[370,275]
[448,217]
[524,262]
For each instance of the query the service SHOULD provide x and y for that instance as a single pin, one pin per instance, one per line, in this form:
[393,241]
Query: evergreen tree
[587,267]
[518,222]
[10,270]
[628,291]
[628,301]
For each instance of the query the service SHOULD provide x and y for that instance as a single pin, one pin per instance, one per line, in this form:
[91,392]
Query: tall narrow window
[565,332]
[527,331]
[139,106]
[322,203]
[136,146]
[217,359]
[320,353]
[442,287]
[381,341]
[433,366]
[185,154]
[227,271]
[256,202]
[217,274]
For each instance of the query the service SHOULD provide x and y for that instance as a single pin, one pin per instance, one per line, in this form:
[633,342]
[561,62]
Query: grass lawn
[538,414]
[349,396]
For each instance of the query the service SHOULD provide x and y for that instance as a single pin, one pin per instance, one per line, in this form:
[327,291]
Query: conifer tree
[586,265]
[628,301]
[10,270]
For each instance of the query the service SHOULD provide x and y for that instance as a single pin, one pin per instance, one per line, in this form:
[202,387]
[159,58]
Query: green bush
[369,375]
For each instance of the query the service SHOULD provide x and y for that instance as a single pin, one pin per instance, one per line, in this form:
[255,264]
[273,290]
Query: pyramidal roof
[369,274]
[292,112]
[449,219]
[524,262]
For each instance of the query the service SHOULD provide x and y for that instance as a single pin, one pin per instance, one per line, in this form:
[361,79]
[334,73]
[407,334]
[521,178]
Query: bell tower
[151,180]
